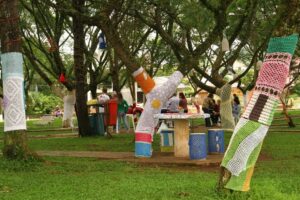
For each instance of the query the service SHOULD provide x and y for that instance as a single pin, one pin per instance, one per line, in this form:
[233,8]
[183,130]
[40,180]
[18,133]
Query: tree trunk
[116,81]
[131,85]
[93,85]
[93,89]
[15,137]
[114,70]
[80,71]
[286,114]
[69,103]
[285,26]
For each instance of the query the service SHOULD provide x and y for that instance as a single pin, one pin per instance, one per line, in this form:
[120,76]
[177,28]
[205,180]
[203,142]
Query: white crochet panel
[13,92]
[238,162]
[155,99]
[14,110]
[69,102]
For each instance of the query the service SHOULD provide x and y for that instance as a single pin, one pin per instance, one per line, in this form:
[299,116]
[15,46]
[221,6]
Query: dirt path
[48,136]
[157,158]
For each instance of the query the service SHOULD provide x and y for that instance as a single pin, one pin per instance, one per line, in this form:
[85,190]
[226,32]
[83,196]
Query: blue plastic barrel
[198,148]
[143,149]
[167,140]
[216,141]
[143,144]
[97,124]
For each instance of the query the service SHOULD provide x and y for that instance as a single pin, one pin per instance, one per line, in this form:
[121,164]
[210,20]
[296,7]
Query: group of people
[212,107]
[104,97]
[176,104]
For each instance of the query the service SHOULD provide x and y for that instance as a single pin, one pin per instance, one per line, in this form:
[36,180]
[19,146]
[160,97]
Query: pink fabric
[274,72]
[143,137]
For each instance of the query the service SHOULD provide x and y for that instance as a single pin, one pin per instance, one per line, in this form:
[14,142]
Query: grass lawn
[276,176]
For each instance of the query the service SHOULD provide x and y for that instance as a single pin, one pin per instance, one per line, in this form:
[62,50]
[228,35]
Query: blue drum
[167,140]
[198,148]
[216,141]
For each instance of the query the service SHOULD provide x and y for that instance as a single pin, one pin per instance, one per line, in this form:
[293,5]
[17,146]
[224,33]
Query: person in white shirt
[173,104]
[103,98]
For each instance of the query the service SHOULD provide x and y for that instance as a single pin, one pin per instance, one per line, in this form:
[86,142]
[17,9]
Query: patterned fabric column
[156,98]
[13,92]
[246,141]
[225,108]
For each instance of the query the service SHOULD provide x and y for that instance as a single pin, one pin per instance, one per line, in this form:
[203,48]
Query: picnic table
[181,130]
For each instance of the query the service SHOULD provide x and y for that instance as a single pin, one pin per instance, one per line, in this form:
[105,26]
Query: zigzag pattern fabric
[225,108]
[13,91]
[246,141]
[156,98]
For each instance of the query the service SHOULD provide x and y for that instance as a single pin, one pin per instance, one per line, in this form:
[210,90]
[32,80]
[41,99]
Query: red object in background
[62,78]
[136,111]
[112,112]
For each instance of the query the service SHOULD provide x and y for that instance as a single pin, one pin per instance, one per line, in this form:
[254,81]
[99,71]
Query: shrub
[39,103]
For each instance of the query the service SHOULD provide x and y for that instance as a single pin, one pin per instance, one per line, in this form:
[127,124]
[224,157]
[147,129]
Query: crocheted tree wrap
[144,80]
[13,91]
[246,141]
[225,108]
[283,44]
[156,98]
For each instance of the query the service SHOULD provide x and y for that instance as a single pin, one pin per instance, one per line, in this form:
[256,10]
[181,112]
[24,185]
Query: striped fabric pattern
[261,108]
[246,141]
[143,137]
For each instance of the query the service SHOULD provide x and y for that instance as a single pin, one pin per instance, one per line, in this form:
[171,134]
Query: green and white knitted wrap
[225,108]
[246,141]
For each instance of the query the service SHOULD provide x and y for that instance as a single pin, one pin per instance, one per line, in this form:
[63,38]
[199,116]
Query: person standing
[207,107]
[103,98]
[183,102]
[122,110]
[217,109]
[173,104]
[195,101]
[236,110]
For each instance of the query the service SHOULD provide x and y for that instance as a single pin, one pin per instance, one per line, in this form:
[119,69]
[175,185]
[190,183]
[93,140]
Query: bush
[39,103]
[296,90]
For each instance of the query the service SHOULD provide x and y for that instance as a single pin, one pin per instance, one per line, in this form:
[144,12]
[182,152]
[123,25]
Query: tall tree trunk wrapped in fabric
[156,98]
[226,108]
[247,139]
[15,138]
[69,103]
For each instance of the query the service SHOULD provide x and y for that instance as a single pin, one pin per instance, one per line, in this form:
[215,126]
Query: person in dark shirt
[183,102]
[122,110]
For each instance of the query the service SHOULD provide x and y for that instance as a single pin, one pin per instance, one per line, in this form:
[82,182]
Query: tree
[15,137]
[238,163]
[48,33]
[80,70]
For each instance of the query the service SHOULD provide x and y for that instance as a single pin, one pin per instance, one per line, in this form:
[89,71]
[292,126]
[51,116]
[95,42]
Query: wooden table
[181,130]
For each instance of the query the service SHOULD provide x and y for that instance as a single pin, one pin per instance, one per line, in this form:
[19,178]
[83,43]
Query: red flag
[62,78]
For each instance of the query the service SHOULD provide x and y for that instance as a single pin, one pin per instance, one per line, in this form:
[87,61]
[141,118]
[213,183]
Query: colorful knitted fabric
[248,135]
[156,98]
[225,107]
